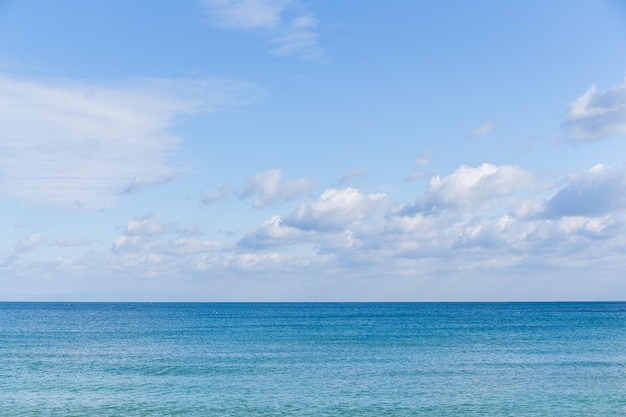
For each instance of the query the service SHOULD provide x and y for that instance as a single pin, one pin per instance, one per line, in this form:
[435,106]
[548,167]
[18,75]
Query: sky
[291,150]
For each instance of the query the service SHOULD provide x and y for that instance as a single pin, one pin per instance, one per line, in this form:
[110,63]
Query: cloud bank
[477,221]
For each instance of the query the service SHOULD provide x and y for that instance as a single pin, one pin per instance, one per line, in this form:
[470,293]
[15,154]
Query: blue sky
[282,150]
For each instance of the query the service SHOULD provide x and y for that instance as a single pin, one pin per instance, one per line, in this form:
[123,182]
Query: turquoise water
[299,359]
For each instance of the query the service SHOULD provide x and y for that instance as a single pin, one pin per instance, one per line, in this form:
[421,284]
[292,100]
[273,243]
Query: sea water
[313,359]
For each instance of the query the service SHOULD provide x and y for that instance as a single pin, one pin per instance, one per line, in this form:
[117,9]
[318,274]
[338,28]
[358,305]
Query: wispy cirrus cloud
[597,115]
[289,28]
[140,182]
[482,130]
[75,144]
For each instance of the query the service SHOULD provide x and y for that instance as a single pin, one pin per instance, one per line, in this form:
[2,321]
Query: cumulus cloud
[271,232]
[76,144]
[470,188]
[290,29]
[597,115]
[345,232]
[482,130]
[335,209]
[148,226]
[596,192]
[267,188]
[150,247]
[141,231]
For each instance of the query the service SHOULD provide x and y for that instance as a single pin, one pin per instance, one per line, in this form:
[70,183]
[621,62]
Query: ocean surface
[312,359]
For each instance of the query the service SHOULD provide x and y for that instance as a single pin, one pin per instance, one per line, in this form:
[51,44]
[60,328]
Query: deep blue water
[313,359]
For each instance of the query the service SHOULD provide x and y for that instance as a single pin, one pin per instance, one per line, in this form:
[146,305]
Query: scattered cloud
[482,130]
[419,172]
[596,192]
[143,181]
[223,193]
[597,115]
[335,209]
[267,188]
[192,230]
[148,226]
[77,145]
[247,14]
[464,223]
[271,232]
[471,225]
[264,188]
[290,29]
[469,188]
[351,177]
[29,243]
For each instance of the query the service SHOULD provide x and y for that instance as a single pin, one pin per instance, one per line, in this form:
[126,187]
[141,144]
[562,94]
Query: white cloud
[272,232]
[298,37]
[597,115]
[346,236]
[469,188]
[143,181]
[148,226]
[29,243]
[418,173]
[140,232]
[596,192]
[335,209]
[351,177]
[151,247]
[482,130]
[247,14]
[267,188]
[75,144]
[290,29]
[191,246]
[223,193]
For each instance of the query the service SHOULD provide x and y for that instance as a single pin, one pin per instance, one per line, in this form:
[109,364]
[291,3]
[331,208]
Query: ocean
[312,359]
